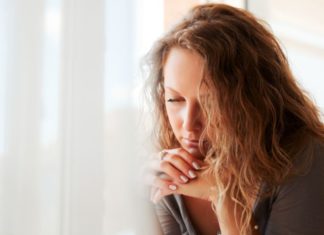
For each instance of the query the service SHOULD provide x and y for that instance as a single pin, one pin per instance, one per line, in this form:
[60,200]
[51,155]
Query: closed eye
[173,100]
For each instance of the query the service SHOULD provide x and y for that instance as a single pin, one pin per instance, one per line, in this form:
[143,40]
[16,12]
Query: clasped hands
[175,171]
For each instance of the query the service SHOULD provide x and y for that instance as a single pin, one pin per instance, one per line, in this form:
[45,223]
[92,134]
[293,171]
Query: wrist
[212,194]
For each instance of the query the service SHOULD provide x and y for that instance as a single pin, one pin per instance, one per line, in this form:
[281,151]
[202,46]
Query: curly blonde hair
[257,117]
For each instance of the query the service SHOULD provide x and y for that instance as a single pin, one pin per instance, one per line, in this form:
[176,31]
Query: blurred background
[73,134]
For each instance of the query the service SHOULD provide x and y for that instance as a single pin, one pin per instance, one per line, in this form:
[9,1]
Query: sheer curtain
[69,144]
[52,119]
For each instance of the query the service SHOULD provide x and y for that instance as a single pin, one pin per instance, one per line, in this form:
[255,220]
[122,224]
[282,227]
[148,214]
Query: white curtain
[70,148]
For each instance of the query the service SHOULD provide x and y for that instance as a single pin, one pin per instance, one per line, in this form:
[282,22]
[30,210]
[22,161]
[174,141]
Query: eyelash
[173,100]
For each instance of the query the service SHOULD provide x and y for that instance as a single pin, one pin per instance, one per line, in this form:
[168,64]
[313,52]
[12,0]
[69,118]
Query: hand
[177,172]
[168,170]
[200,188]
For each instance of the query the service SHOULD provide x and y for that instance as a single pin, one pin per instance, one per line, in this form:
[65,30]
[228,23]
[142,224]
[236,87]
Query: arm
[172,168]
[168,223]
[199,187]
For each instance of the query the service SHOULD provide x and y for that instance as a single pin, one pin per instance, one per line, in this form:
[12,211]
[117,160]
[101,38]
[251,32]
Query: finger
[162,182]
[183,171]
[153,162]
[150,178]
[161,188]
[166,168]
[188,172]
[176,169]
[164,185]
[197,164]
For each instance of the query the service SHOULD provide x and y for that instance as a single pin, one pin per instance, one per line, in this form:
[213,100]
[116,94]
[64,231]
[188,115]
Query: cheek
[175,119]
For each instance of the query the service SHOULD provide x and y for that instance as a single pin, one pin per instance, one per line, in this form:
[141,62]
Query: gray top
[295,208]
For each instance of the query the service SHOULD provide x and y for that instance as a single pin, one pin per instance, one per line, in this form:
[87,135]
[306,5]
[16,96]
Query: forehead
[183,71]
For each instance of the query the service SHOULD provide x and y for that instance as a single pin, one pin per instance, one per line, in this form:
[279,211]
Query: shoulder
[308,173]
[297,206]
[308,168]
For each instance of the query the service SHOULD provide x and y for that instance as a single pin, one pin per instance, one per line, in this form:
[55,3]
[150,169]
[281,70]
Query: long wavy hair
[257,117]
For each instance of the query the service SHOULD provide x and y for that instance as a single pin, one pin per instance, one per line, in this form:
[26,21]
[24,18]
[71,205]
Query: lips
[191,143]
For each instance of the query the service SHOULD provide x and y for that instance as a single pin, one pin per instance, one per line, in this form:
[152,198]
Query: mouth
[191,143]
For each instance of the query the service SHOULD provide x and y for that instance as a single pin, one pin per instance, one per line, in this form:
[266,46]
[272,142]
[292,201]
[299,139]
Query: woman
[241,144]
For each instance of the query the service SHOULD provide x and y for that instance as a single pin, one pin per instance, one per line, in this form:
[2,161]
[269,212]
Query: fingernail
[172,187]
[196,165]
[184,178]
[192,174]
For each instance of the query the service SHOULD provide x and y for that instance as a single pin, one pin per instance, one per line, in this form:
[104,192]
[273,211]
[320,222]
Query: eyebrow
[171,89]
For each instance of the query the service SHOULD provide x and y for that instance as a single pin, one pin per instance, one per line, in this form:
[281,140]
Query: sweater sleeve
[168,223]
[298,208]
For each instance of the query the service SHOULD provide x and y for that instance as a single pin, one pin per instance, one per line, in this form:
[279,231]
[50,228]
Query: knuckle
[184,154]
[166,167]
[185,169]
[182,166]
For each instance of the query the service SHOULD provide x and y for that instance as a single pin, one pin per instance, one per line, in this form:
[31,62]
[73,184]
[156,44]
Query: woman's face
[183,72]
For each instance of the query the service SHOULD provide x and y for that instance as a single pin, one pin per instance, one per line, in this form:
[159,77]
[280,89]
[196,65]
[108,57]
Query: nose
[192,117]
